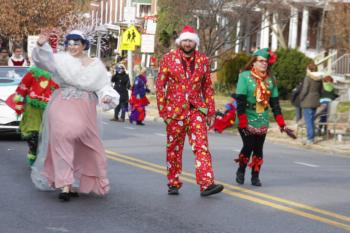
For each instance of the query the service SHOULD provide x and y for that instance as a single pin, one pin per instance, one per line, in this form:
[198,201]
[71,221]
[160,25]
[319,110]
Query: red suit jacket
[176,93]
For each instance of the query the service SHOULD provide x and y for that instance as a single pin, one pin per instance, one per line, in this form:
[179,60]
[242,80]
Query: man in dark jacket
[121,85]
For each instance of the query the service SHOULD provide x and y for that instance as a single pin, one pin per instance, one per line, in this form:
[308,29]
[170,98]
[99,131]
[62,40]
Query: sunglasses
[74,42]
[262,61]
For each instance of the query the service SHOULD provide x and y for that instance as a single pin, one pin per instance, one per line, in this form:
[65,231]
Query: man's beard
[189,52]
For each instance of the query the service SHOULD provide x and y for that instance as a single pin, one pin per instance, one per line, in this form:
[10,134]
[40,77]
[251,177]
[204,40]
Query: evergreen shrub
[230,65]
[289,70]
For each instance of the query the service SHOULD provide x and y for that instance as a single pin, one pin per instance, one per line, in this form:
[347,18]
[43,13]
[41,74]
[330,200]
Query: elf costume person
[256,94]
[31,98]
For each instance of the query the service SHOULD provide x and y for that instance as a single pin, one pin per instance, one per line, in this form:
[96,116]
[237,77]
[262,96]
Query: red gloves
[280,120]
[243,121]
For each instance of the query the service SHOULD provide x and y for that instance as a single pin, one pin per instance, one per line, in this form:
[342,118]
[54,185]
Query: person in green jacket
[256,92]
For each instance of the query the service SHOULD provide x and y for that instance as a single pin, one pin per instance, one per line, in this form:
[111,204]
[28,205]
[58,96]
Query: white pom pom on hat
[188,33]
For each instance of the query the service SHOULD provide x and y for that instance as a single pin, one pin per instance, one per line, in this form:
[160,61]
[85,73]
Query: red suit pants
[194,125]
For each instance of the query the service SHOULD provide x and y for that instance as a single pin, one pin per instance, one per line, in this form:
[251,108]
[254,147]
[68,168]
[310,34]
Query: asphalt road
[303,191]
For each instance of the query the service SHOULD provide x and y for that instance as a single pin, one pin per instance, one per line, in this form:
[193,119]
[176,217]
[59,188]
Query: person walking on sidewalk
[71,153]
[121,85]
[185,100]
[256,90]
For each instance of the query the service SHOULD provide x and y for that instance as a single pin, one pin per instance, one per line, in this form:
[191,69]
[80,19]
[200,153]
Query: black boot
[173,190]
[255,179]
[242,161]
[240,175]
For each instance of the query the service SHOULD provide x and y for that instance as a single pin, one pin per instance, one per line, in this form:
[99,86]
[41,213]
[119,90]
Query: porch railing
[341,66]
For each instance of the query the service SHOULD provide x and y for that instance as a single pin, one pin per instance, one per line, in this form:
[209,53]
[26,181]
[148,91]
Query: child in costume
[226,119]
[138,100]
[17,58]
[31,98]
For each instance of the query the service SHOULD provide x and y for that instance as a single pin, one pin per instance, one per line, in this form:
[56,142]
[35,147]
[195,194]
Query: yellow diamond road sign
[130,38]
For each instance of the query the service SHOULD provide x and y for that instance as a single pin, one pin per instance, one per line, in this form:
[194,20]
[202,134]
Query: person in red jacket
[31,98]
[228,118]
[185,100]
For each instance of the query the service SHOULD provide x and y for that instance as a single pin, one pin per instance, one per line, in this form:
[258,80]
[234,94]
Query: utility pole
[130,60]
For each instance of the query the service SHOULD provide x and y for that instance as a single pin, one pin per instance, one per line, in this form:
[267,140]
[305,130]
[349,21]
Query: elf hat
[188,33]
[267,54]
[77,35]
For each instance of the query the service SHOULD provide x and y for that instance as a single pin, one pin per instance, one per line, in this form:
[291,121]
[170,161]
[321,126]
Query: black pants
[252,144]
[32,141]
[123,106]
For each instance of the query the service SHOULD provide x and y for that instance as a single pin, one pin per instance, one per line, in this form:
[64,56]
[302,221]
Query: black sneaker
[73,194]
[240,177]
[64,196]
[212,189]
[173,190]
[256,181]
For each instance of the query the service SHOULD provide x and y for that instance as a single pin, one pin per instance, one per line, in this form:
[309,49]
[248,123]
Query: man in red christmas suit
[186,103]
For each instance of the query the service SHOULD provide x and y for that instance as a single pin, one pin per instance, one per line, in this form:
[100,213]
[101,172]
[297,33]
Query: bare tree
[19,18]
[336,27]
[215,20]
[84,23]
[224,24]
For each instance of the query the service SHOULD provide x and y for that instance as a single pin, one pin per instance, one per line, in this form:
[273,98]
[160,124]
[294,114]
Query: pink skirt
[75,152]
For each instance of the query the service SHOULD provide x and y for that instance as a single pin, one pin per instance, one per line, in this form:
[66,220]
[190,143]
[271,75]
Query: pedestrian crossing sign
[130,39]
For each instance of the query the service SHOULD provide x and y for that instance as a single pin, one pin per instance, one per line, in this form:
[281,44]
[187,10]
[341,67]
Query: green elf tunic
[246,86]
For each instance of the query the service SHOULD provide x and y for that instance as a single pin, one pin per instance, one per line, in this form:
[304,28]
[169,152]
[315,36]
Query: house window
[145,10]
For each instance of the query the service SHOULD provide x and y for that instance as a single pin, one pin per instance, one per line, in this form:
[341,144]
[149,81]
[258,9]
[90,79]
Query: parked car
[10,77]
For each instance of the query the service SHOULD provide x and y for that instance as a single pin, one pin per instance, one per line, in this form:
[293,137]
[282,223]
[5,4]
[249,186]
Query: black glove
[289,132]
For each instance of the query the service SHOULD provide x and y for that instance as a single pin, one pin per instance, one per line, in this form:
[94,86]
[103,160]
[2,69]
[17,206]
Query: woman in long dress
[71,152]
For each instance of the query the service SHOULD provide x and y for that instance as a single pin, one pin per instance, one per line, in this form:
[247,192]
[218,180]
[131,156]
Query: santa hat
[188,33]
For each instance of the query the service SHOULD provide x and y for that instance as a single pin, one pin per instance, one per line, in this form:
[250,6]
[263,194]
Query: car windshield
[10,76]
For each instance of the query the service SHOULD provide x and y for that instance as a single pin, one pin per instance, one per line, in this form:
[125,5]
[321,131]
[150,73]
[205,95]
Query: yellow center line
[259,194]
[237,192]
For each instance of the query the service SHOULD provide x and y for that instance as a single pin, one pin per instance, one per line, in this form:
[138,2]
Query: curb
[272,137]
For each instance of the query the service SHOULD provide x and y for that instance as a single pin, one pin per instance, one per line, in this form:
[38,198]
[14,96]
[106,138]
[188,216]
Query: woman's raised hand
[43,37]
